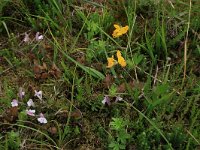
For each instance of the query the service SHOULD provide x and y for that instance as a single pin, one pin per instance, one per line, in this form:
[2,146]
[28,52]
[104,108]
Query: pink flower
[30,103]
[42,119]
[26,38]
[38,94]
[30,112]
[39,37]
[14,103]
[106,100]
[118,98]
[21,93]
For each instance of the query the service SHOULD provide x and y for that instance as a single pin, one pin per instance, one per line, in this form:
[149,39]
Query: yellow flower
[111,62]
[119,31]
[121,60]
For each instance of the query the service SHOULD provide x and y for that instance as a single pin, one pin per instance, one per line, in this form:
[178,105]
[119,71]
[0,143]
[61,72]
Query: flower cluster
[30,111]
[119,30]
[38,37]
[107,100]
[120,60]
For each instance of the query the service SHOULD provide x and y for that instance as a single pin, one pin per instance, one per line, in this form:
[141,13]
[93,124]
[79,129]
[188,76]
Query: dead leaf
[44,66]
[44,75]
[40,72]
[53,130]
[55,71]
[76,114]
[11,114]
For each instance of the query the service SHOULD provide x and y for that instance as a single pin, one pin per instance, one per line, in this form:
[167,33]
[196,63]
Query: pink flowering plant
[30,105]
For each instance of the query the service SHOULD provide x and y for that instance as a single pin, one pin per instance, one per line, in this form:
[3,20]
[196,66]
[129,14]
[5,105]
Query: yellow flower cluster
[120,60]
[119,31]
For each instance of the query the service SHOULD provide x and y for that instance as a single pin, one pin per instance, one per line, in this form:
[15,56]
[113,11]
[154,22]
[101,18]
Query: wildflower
[38,94]
[14,103]
[26,38]
[121,60]
[42,119]
[30,103]
[111,62]
[106,100]
[118,98]
[119,31]
[30,112]
[21,93]
[39,37]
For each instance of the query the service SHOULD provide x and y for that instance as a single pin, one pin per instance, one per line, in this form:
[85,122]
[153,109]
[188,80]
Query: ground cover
[102,74]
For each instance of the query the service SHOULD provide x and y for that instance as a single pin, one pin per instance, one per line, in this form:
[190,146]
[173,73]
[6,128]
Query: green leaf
[117,124]
[88,70]
[123,136]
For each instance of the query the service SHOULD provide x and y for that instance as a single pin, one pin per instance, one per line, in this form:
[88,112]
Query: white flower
[118,98]
[42,119]
[30,112]
[38,94]
[26,38]
[14,103]
[106,100]
[21,93]
[39,37]
[30,103]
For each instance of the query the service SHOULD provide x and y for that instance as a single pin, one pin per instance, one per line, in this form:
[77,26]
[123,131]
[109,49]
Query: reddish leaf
[11,114]
[53,130]
[76,114]
[44,75]
[55,71]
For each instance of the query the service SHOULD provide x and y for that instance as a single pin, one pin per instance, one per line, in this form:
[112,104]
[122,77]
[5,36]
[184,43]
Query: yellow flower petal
[124,30]
[116,26]
[116,34]
[111,62]
[119,30]
[121,60]
[119,54]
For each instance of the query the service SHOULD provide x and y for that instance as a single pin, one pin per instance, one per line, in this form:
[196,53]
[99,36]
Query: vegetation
[101,74]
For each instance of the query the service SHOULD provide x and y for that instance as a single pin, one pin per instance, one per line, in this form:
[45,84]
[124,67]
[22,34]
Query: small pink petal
[39,37]
[106,100]
[26,38]
[118,98]
[38,94]
[30,103]
[21,93]
[30,112]
[42,119]
[14,103]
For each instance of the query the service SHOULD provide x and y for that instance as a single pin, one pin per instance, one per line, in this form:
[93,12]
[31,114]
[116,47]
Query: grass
[159,86]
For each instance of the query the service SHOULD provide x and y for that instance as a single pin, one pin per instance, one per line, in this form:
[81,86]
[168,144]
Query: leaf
[53,130]
[117,123]
[40,71]
[55,71]
[88,70]
[76,114]
[123,136]
[11,114]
